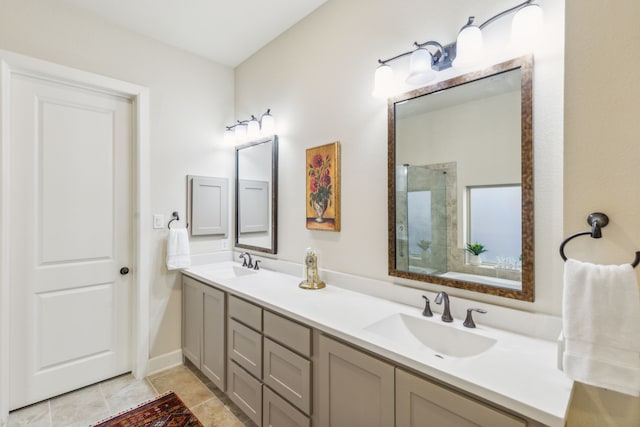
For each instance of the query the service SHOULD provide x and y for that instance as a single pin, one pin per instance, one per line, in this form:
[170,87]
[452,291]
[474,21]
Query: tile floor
[96,402]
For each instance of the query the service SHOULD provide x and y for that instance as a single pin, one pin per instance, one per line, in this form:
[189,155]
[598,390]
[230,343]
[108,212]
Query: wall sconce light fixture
[465,51]
[250,129]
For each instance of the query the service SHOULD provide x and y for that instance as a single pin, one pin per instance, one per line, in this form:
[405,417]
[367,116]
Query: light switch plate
[224,243]
[158,221]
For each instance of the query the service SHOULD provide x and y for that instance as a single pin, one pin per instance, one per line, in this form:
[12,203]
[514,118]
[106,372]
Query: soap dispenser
[311,265]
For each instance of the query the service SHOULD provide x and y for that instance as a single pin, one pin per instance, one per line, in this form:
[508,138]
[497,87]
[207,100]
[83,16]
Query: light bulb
[229,136]
[253,129]
[420,71]
[525,28]
[241,132]
[383,81]
[268,124]
[469,45]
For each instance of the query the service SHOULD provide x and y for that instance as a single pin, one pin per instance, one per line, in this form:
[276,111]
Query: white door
[70,214]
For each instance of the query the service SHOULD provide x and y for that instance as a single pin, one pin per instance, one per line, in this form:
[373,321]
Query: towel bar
[597,221]
[176,217]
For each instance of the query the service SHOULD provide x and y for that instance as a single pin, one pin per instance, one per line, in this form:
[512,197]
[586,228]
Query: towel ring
[176,217]
[597,221]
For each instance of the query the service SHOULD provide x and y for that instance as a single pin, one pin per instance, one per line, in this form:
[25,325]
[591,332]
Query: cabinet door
[421,403]
[245,347]
[288,374]
[246,392]
[355,388]
[191,319]
[213,344]
[277,412]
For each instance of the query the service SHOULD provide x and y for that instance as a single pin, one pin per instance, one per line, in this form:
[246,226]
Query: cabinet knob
[124,271]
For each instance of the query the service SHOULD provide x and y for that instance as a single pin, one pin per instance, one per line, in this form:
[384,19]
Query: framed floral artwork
[323,187]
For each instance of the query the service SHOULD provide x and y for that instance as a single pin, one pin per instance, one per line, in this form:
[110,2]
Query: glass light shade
[241,132]
[253,129]
[229,136]
[420,71]
[525,27]
[268,125]
[469,46]
[383,81]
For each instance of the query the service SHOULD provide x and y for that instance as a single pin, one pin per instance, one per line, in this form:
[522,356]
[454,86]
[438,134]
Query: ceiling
[224,31]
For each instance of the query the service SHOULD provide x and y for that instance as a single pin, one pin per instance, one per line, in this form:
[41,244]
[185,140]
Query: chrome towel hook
[597,221]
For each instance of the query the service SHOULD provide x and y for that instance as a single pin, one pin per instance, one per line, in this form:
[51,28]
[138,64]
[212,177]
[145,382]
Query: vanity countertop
[518,372]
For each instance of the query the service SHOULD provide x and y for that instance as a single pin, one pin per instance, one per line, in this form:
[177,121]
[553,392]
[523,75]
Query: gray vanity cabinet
[355,389]
[203,329]
[245,357]
[269,374]
[287,366]
[266,363]
[422,403]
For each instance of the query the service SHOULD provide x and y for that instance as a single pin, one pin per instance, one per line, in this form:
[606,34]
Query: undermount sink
[439,338]
[229,271]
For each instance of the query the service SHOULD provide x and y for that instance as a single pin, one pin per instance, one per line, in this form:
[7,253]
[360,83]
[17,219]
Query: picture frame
[323,187]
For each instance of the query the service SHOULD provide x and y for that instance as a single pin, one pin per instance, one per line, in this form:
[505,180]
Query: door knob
[124,270]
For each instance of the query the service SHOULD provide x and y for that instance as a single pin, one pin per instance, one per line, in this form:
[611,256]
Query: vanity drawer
[277,412]
[245,391]
[287,332]
[288,374]
[245,312]
[245,347]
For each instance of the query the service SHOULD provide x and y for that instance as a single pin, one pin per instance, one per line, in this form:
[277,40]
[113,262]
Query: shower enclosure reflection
[420,211]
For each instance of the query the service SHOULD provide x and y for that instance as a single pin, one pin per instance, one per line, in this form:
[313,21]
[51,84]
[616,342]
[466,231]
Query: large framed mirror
[460,171]
[257,195]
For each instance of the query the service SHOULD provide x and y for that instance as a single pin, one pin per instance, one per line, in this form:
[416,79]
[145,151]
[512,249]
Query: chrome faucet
[244,256]
[446,314]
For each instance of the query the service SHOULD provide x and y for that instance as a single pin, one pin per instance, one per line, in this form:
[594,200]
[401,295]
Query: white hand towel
[178,249]
[601,326]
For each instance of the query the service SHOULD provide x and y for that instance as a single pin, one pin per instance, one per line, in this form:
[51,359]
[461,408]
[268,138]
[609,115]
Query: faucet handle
[256,266]
[427,309]
[468,322]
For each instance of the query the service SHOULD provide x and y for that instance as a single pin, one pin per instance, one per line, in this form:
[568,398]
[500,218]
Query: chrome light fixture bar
[250,129]
[466,50]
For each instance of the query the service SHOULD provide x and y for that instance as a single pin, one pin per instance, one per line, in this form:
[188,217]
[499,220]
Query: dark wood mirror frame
[273,248]
[525,64]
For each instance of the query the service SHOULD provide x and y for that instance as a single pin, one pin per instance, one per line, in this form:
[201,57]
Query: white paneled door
[70,237]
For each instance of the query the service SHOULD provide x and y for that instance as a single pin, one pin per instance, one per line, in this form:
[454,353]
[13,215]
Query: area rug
[163,411]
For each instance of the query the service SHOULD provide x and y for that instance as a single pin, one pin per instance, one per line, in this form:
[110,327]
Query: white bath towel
[601,326]
[178,249]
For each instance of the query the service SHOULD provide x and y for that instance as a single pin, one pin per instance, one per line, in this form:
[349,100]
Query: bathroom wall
[190,101]
[318,77]
[602,152]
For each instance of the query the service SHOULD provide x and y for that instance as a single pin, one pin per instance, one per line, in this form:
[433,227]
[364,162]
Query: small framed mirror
[257,195]
[460,172]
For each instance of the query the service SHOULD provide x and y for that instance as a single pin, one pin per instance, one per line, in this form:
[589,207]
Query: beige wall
[190,101]
[318,77]
[602,156]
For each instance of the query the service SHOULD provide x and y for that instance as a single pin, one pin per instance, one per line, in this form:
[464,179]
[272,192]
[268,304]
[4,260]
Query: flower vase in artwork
[320,207]
[320,188]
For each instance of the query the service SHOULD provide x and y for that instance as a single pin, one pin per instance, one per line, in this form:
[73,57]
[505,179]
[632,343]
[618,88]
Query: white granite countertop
[517,372]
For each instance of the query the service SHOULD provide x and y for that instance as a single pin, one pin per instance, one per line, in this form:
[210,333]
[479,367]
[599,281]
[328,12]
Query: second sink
[441,339]
[229,270]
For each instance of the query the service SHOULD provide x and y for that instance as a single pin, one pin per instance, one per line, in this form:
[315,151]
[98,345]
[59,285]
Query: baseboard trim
[164,361]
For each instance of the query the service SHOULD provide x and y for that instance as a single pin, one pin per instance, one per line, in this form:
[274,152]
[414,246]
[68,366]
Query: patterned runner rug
[163,411]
